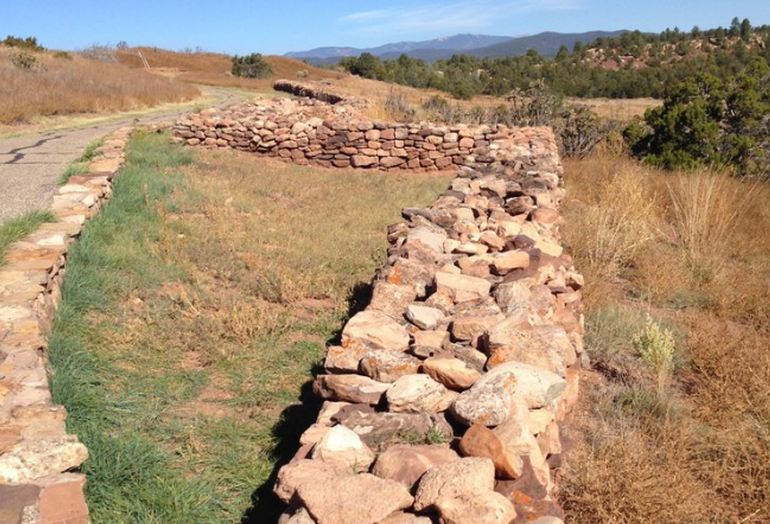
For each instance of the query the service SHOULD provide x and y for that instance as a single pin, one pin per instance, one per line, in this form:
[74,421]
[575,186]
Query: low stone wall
[308,90]
[308,131]
[36,453]
[444,398]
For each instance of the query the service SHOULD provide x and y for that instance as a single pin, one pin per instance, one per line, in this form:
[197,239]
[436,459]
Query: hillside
[547,44]
[443,47]
[39,83]
[630,65]
[214,68]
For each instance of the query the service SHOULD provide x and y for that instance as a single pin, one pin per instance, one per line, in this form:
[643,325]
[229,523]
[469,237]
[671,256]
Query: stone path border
[37,456]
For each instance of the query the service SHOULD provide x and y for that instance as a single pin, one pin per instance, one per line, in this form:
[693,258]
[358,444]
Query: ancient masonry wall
[308,131]
[36,453]
[444,399]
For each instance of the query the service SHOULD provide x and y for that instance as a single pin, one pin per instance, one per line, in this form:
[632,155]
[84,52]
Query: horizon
[245,27]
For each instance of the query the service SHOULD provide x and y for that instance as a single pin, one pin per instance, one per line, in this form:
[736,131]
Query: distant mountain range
[547,44]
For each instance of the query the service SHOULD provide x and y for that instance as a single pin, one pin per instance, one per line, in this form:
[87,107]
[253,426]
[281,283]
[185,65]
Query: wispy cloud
[456,16]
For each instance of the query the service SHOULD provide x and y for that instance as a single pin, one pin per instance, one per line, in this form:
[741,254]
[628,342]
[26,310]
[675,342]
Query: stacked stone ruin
[444,398]
[308,131]
[37,455]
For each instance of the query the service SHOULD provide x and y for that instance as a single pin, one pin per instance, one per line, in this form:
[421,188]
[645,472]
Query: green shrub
[251,66]
[62,55]
[711,120]
[29,43]
[657,348]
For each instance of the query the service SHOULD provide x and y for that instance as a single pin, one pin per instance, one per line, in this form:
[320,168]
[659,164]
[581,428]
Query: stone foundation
[307,131]
[444,398]
[36,453]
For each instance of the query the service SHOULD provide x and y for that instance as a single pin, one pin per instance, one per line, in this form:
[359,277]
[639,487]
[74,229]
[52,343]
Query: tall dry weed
[612,214]
[705,211]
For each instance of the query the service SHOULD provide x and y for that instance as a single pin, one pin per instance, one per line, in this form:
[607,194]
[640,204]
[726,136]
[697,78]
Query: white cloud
[457,16]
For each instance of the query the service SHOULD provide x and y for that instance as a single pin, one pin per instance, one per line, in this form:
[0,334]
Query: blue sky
[278,26]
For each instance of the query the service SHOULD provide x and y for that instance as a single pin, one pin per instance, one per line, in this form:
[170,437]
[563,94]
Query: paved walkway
[30,165]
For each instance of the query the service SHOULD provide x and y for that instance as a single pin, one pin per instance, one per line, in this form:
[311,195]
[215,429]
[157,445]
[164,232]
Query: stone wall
[444,398]
[309,131]
[36,453]
[313,90]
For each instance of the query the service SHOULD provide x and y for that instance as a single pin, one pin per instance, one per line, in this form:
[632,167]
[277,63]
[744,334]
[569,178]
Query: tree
[251,66]
[562,54]
[745,30]
[711,120]
[735,27]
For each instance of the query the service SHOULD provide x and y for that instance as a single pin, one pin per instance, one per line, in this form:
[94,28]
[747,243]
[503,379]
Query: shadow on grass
[294,420]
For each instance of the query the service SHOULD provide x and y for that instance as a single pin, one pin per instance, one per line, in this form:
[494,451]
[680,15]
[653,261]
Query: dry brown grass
[618,110]
[700,450]
[214,68]
[68,86]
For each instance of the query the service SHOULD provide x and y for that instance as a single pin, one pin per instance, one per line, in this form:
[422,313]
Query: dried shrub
[100,53]
[25,60]
[579,131]
[398,107]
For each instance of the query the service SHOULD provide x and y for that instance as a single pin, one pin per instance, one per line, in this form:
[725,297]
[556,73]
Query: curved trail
[30,165]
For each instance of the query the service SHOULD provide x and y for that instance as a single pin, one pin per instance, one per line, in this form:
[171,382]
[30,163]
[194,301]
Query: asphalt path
[30,165]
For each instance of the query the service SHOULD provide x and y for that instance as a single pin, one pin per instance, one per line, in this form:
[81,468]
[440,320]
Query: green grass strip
[17,228]
[80,166]
[130,477]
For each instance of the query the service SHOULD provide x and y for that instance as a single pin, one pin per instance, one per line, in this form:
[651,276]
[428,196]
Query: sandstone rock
[349,388]
[428,343]
[418,394]
[406,464]
[512,295]
[391,299]
[62,499]
[479,441]
[537,387]
[487,507]
[424,317]
[387,366]
[375,330]
[353,499]
[471,324]
[462,287]
[488,401]
[431,238]
[313,434]
[405,518]
[470,475]
[301,516]
[379,430]
[547,347]
[363,160]
[342,446]
[344,359]
[329,409]
[506,262]
[31,459]
[451,372]
[417,275]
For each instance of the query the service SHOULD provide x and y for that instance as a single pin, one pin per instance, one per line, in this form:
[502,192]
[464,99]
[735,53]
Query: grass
[58,87]
[17,228]
[80,166]
[673,424]
[195,309]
